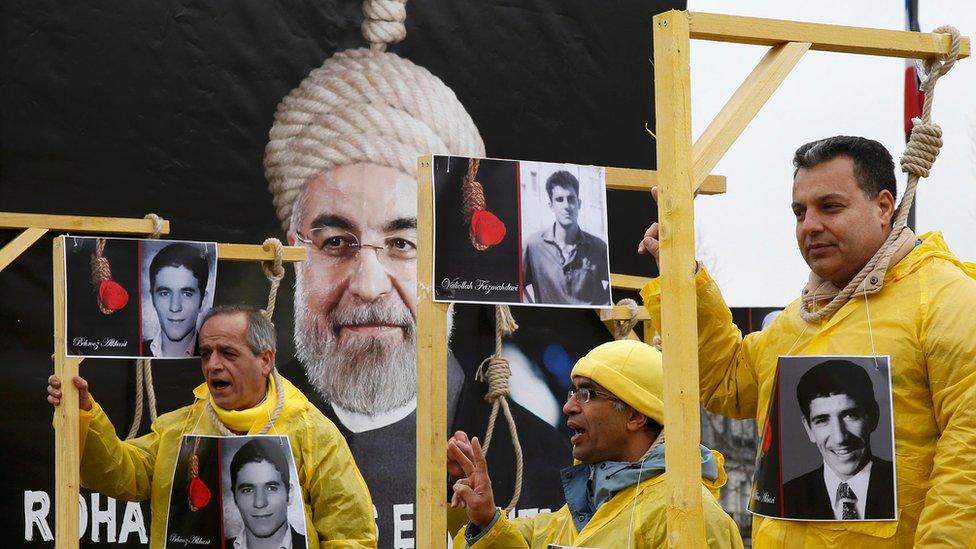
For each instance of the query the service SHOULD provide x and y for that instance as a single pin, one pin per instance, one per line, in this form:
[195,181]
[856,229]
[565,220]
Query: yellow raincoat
[634,517]
[337,502]
[924,317]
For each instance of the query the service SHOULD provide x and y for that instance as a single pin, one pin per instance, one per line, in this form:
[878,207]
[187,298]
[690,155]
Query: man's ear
[806,427]
[291,237]
[636,421]
[886,206]
[267,361]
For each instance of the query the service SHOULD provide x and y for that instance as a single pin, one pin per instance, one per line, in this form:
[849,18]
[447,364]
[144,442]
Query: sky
[746,237]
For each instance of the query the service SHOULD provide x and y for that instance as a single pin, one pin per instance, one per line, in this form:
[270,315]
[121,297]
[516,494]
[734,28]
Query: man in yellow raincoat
[919,311]
[239,396]
[616,495]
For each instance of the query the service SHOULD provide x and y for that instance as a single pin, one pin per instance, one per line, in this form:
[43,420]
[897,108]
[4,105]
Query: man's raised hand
[473,492]
[54,392]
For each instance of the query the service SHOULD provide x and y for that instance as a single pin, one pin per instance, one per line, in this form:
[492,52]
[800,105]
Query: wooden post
[672,98]
[431,510]
[66,442]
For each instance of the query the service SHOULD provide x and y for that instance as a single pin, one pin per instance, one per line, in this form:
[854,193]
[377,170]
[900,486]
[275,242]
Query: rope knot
[274,270]
[622,328]
[935,68]
[157,225]
[496,371]
[383,23]
[923,147]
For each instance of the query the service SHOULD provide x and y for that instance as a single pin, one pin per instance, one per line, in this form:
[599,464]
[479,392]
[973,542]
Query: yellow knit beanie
[631,370]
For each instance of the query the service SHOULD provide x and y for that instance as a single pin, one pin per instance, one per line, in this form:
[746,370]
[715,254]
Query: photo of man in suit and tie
[839,413]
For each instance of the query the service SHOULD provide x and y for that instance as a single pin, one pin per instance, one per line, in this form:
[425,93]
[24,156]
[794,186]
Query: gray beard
[361,374]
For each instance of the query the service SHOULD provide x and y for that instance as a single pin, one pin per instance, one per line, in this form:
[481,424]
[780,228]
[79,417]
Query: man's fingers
[53,381]
[479,455]
[653,231]
[654,192]
[466,465]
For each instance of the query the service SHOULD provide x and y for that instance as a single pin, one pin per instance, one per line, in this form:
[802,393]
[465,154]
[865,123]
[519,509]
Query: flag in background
[913,96]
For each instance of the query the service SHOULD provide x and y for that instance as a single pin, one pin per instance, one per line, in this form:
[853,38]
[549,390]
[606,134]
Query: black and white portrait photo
[835,440]
[177,281]
[262,502]
[565,258]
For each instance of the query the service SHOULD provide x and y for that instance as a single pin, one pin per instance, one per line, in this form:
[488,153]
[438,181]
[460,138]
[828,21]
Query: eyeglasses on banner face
[336,246]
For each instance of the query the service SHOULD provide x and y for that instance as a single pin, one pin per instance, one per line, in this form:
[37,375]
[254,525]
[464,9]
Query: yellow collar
[242,421]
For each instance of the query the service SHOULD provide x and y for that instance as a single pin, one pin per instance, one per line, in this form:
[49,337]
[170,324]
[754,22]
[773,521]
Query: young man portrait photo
[839,414]
[178,275]
[261,488]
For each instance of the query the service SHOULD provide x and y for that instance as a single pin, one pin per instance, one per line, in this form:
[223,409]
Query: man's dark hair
[874,170]
[191,257]
[260,330]
[836,377]
[563,179]
[257,450]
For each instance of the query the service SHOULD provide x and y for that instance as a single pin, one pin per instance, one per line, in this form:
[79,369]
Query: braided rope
[157,225]
[383,22]
[144,380]
[622,328]
[275,413]
[473,199]
[362,106]
[920,153]
[274,271]
[101,270]
[496,371]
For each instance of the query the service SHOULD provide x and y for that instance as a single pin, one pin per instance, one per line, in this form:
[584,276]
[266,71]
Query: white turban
[363,106]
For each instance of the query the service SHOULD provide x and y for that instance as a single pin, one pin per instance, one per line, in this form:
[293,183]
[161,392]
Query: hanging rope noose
[274,270]
[920,153]
[144,380]
[496,371]
[484,228]
[197,493]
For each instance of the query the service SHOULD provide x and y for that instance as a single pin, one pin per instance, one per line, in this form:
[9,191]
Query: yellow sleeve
[504,534]
[342,509]
[721,532]
[728,381]
[116,468]
[949,348]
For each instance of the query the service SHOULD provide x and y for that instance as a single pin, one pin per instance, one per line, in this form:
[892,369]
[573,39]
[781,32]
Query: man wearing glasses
[616,496]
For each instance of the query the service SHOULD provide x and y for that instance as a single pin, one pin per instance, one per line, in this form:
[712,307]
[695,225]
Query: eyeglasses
[337,246]
[585,394]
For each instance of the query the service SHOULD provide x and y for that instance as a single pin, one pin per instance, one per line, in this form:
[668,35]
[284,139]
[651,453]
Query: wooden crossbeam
[21,242]
[260,252]
[743,106]
[628,282]
[80,223]
[630,179]
[836,38]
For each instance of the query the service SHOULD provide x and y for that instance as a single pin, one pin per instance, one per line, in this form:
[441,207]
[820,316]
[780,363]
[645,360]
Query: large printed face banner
[171,108]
